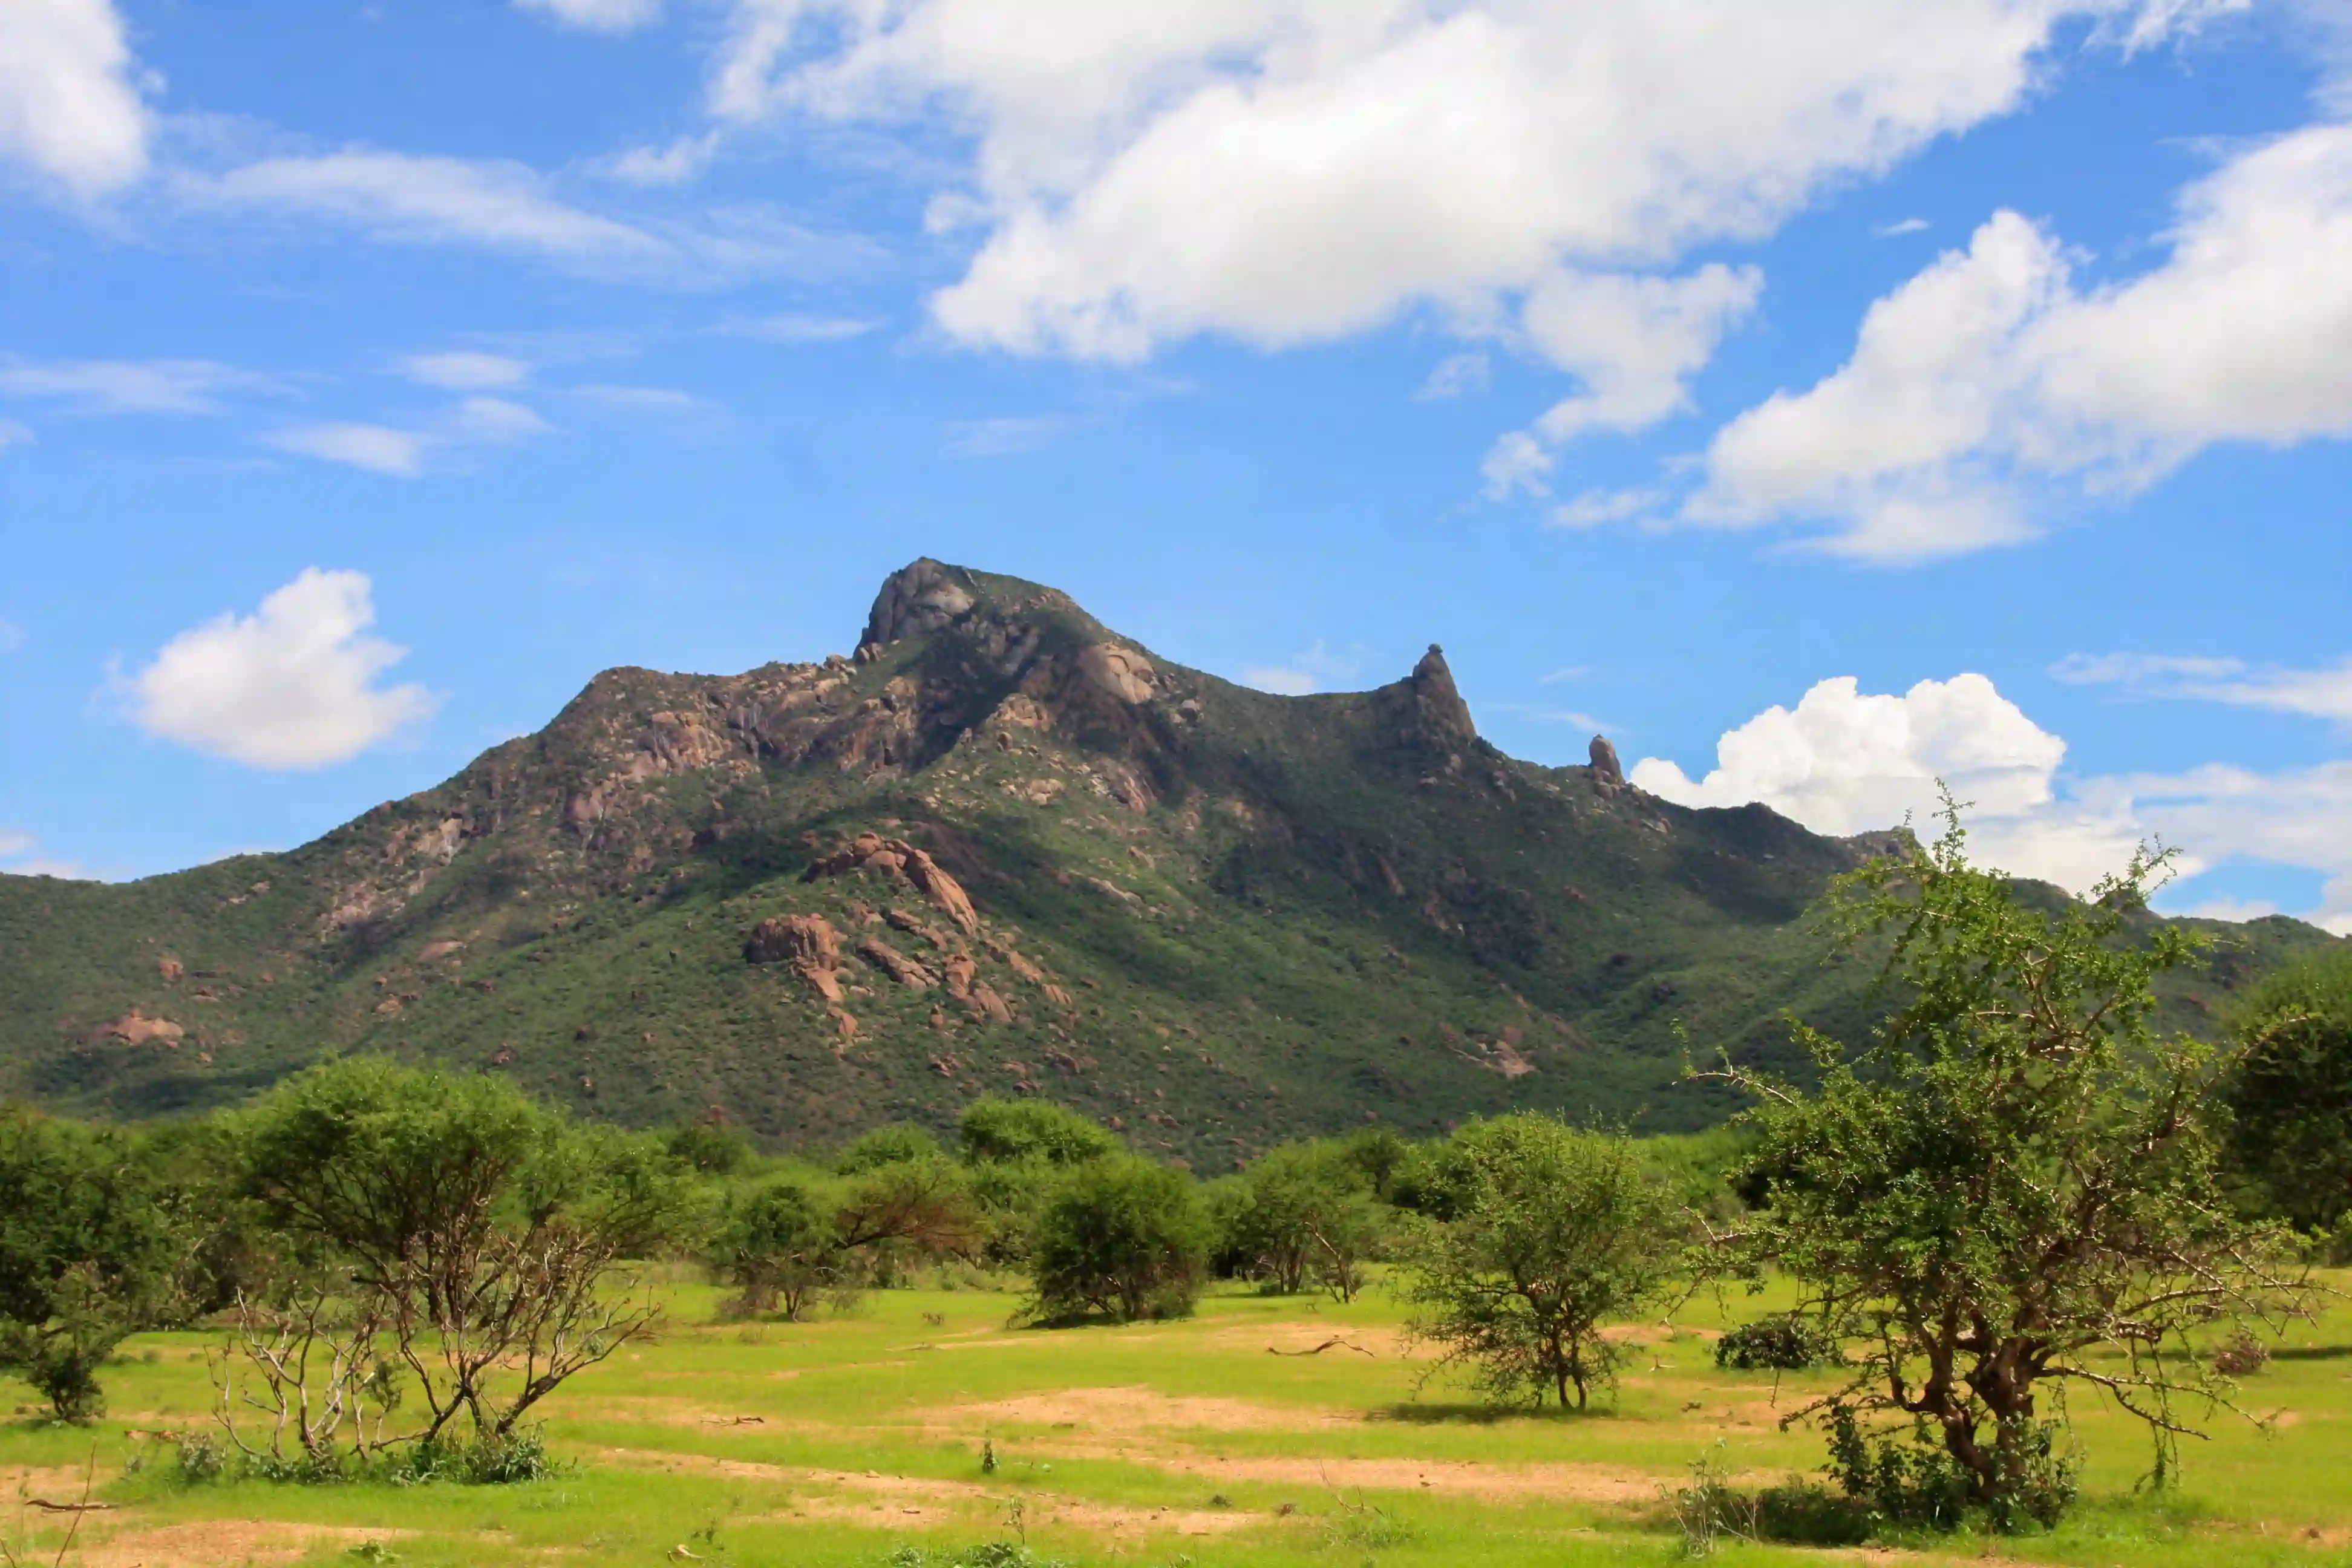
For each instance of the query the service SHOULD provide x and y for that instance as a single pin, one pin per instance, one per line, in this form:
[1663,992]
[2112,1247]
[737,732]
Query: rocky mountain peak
[922,596]
[1445,717]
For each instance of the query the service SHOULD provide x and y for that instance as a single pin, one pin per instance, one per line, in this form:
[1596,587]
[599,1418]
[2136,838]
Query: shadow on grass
[2313,1353]
[1420,1413]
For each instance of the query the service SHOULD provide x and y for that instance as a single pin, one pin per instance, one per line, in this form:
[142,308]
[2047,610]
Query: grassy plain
[848,1440]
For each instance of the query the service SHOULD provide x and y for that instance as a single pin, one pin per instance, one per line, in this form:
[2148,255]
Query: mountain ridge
[1062,864]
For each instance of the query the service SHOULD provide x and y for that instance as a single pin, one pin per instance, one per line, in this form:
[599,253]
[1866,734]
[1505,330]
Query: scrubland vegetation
[2016,1265]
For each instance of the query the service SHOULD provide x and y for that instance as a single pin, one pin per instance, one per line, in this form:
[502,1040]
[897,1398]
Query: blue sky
[1819,397]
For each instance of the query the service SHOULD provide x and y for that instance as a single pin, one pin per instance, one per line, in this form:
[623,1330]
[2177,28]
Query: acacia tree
[1542,1234]
[786,1244]
[486,1236]
[1120,1238]
[2291,1095]
[2014,1184]
[89,1255]
[1302,1213]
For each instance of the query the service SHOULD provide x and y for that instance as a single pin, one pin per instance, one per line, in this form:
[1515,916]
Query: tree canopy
[2014,1182]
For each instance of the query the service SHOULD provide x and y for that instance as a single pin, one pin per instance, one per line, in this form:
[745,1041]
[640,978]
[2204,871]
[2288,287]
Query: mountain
[999,850]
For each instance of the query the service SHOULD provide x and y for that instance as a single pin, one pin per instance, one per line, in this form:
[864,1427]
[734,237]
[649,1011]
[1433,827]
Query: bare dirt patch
[703,1465]
[880,1501]
[1139,1410]
[58,1483]
[211,1544]
[1576,1483]
[1290,1338]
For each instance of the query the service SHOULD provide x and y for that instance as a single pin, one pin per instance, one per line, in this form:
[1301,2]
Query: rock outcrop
[135,1028]
[921,597]
[807,942]
[1119,672]
[1606,771]
[897,965]
[896,857]
[1444,719]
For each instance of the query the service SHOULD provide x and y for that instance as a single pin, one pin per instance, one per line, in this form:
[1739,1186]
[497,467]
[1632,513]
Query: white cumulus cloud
[1992,386]
[1844,760]
[1283,172]
[295,685]
[70,105]
[1634,342]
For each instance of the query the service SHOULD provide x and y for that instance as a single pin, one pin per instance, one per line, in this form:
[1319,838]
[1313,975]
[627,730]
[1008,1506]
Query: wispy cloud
[14,435]
[675,164]
[1010,434]
[1540,713]
[464,370]
[1595,507]
[20,856]
[179,386]
[661,401]
[1901,226]
[1567,673]
[598,15]
[1455,375]
[12,636]
[392,196]
[2322,693]
[409,452]
[801,329]
[509,208]
[375,449]
[1319,667]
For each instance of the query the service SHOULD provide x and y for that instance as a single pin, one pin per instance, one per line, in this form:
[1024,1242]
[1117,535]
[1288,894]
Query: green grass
[1153,1444]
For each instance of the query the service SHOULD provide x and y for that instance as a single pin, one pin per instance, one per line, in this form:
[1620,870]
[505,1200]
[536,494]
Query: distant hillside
[1211,916]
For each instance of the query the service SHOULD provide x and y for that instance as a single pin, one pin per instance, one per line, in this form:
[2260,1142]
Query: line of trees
[2014,1184]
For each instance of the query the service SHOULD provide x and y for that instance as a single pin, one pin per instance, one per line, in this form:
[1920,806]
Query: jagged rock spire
[1445,717]
[1606,769]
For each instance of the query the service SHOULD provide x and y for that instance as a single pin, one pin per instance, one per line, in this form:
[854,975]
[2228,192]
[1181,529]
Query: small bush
[1708,1511]
[1784,1341]
[987,1554]
[1907,1477]
[201,1458]
[1367,1527]
[2242,1356]
[517,1458]
[1804,1514]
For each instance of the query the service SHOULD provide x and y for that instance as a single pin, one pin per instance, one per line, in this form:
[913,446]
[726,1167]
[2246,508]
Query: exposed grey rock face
[1605,767]
[1444,718]
[920,597]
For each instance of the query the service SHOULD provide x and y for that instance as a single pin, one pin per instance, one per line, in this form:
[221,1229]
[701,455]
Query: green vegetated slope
[1213,917]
